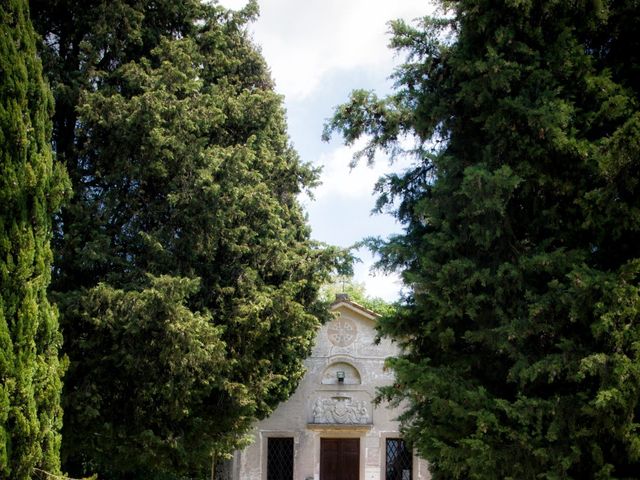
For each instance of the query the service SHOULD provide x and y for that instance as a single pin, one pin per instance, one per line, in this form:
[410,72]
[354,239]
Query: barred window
[280,458]
[399,460]
[223,470]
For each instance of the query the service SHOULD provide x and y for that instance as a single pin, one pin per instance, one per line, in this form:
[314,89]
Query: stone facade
[335,401]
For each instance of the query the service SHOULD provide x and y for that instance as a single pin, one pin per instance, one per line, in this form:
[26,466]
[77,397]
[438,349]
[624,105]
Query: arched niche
[330,376]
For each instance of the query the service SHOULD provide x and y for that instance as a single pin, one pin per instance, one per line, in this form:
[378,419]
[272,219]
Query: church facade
[330,428]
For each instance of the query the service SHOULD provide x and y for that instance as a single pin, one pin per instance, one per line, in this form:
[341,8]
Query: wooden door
[339,458]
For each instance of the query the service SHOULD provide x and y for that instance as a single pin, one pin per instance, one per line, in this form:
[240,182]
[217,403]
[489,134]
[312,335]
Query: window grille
[399,460]
[280,459]
[223,470]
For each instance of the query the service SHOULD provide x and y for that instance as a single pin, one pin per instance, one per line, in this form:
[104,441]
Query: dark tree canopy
[521,333]
[31,189]
[185,274]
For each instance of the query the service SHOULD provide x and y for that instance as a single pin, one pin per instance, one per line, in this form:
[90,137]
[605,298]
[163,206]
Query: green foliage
[31,189]
[170,364]
[187,281]
[522,236]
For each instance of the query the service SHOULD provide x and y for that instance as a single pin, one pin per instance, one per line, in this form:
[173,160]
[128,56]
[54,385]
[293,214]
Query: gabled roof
[343,300]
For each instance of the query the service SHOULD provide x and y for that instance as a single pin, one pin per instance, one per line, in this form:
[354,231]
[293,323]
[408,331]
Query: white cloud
[303,41]
[347,194]
[233,4]
[311,46]
[377,284]
[339,180]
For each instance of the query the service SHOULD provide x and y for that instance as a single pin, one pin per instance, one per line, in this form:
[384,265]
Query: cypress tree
[522,236]
[31,188]
[187,279]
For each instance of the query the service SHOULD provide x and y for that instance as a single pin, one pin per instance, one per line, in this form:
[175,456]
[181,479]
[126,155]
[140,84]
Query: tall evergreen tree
[31,189]
[521,332]
[187,279]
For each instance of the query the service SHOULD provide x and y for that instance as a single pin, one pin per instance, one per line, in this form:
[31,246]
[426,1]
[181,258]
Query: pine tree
[187,280]
[522,236]
[31,189]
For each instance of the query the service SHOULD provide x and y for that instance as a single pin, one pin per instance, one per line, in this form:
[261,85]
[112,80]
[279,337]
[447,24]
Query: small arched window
[341,373]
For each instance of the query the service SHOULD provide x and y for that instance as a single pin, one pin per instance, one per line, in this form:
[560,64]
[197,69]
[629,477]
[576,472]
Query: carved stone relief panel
[341,410]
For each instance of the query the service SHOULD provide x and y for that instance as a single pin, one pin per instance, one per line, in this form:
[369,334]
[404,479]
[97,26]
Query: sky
[318,52]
